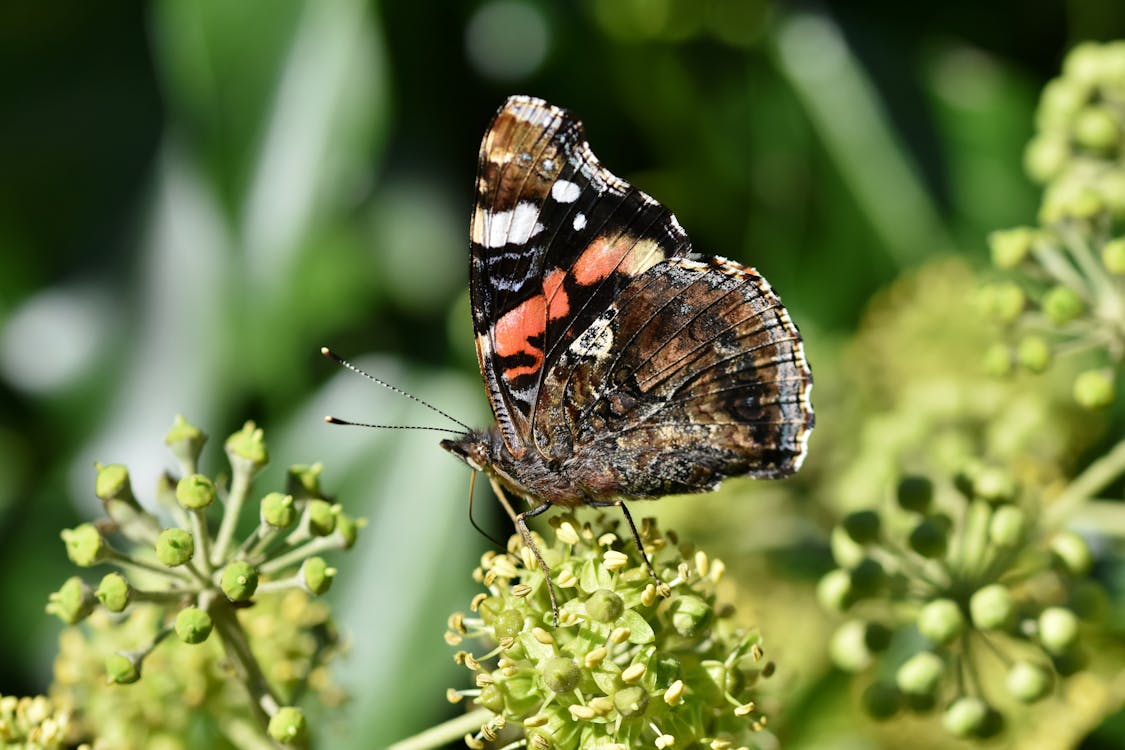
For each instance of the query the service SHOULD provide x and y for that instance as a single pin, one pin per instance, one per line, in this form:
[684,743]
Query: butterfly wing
[555,237]
[692,374]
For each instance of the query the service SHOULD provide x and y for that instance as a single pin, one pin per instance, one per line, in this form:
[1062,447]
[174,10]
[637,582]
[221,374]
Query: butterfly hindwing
[555,237]
[693,374]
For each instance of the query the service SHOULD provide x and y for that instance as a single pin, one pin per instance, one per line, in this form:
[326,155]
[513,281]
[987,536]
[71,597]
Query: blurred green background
[195,195]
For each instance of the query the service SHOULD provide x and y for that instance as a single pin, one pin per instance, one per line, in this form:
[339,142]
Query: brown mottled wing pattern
[555,237]
[693,374]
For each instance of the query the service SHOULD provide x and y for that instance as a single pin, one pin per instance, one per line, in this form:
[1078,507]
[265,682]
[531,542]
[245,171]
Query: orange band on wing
[626,255]
[515,329]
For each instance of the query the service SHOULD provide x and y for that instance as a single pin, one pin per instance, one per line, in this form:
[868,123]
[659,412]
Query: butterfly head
[476,448]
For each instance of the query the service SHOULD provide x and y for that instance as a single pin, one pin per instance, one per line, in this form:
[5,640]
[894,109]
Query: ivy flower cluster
[33,723]
[957,595]
[633,662]
[190,602]
[1064,286]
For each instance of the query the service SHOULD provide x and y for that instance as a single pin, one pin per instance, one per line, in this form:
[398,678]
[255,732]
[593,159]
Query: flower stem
[240,487]
[446,732]
[246,667]
[1086,485]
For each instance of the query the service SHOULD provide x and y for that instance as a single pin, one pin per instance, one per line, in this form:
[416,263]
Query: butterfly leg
[525,534]
[636,535]
[521,527]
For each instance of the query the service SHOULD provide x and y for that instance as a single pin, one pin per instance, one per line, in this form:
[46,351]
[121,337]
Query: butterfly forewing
[555,238]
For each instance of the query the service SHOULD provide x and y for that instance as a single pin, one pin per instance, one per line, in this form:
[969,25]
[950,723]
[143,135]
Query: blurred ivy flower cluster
[1065,291]
[239,615]
[632,663]
[950,586]
[33,723]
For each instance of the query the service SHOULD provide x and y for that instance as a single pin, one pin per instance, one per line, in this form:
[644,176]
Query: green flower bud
[915,494]
[239,581]
[1083,64]
[288,726]
[862,526]
[1095,128]
[941,621]
[881,700]
[185,440]
[1113,256]
[195,492]
[322,517]
[85,545]
[114,592]
[1062,99]
[1072,552]
[848,647]
[1010,247]
[248,448]
[174,547]
[997,361]
[1028,682]
[991,607]
[121,669]
[73,602]
[347,528]
[508,623]
[920,674]
[690,615]
[1094,389]
[1085,203]
[1005,301]
[1058,629]
[630,701]
[867,578]
[965,717]
[1034,353]
[1062,304]
[1008,526]
[193,625]
[491,698]
[303,481]
[560,674]
[929,539]
[604,606]
[278,510]
[994,485]
[112,483]
[834,591]
[317,575]
[1045,157]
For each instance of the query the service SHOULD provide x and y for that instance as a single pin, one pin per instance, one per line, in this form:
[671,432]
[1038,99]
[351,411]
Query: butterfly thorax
[532,476]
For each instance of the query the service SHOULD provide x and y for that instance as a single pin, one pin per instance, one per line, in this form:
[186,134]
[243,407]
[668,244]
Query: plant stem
[246,666]
[1086,485]
[446,732]
[240,487]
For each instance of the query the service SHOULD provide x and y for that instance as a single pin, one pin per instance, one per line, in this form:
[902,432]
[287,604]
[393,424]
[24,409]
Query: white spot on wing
[597,340]
[497,228]
[565,191]
[579,222]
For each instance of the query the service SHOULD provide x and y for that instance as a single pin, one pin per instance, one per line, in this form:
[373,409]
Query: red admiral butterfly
[619,364]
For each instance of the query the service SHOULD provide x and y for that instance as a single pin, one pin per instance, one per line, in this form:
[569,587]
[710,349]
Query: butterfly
[619,364]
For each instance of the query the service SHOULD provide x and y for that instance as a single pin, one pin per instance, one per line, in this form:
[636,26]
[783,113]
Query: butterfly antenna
[346,423]
[485,534]
[345,363]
